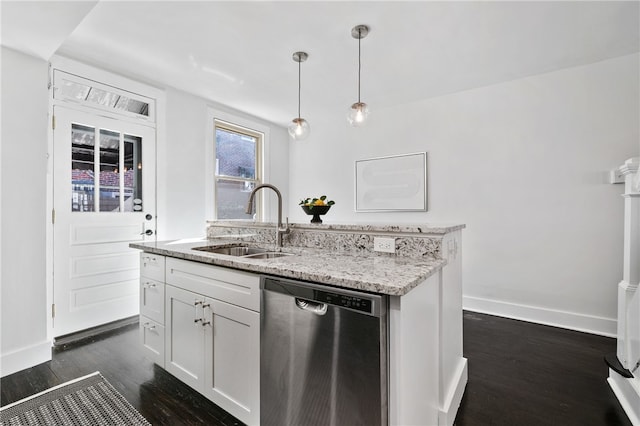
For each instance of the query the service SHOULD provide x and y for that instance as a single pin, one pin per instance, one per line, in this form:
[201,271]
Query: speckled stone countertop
[392,275]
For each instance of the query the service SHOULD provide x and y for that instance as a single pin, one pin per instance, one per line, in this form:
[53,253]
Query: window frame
[249,129]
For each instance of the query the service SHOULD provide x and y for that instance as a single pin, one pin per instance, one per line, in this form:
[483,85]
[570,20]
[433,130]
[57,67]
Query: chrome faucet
[279,229]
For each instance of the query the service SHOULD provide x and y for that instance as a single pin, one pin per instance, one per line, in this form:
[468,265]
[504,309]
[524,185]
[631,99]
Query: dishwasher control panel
[355,303]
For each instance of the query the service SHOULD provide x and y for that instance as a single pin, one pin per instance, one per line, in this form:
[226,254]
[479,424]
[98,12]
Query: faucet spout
[280,230]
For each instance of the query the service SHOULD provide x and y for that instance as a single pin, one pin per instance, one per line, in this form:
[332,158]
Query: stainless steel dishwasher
[323,355]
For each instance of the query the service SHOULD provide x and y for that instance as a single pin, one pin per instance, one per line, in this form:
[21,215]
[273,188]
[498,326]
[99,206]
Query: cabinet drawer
[152,266]
[152,339]
[235,287]
[152,299]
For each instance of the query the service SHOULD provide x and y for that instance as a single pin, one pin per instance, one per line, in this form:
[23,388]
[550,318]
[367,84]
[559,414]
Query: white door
[104,198]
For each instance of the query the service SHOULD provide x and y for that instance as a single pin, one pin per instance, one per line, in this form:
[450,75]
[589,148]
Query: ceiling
[238,53]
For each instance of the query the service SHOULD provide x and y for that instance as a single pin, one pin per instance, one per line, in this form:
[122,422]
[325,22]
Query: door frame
[104,77]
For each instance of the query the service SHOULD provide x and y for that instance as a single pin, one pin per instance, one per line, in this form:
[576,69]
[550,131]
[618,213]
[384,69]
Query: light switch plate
[385,245]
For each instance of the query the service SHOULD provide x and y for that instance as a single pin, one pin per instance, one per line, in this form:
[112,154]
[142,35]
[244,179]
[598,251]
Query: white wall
[24,171]
[181,195]
[522,164]
[182,160]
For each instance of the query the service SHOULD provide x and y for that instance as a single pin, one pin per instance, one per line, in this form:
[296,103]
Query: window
[71,88]
[238,169]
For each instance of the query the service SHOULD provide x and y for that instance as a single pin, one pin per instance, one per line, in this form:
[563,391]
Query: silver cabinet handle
[196,303]
[204,321]
[149,326]
[149,285]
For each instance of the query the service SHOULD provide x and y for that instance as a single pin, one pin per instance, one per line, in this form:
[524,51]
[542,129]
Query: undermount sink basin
[267,255]
[243,251]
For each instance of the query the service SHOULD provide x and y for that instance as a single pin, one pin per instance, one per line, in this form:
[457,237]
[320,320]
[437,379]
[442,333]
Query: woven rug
[86,401]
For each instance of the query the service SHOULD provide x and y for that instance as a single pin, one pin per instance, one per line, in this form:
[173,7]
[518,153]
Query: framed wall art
[393,183]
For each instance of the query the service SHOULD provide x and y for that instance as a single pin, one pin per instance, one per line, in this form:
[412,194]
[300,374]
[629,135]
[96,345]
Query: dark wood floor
[528,374]
[519,374]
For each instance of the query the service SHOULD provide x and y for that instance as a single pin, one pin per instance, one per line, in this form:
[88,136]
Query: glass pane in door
[109,171]
[82,168]
[132,173]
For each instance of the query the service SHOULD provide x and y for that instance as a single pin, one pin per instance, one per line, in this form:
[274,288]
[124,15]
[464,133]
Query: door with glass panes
[104,198]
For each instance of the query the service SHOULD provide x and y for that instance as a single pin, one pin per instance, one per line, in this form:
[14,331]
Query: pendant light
[299,128]
[359,111]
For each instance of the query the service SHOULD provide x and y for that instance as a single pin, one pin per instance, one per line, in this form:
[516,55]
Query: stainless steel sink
[267,255]
[243,251]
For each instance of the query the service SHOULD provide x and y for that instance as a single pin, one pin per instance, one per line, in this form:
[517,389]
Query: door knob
[147,232]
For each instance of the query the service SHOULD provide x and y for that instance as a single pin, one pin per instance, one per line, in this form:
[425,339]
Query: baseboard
[103,330]
[569,320]
[627,395]
[447,413]
[26,357]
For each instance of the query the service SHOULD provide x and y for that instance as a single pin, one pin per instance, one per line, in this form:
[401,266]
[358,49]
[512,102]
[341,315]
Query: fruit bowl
[316,211]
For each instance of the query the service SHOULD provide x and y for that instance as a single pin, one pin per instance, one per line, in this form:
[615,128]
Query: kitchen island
[421,281]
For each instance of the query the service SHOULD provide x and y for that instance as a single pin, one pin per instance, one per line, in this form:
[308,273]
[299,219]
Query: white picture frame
[392,183]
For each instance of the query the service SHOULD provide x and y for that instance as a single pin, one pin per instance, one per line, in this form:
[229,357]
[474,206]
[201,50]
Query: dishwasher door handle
[313,307]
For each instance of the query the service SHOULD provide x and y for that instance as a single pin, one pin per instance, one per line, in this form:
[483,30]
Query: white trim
[631,166]
[556,318]
[628,397]
[25,357]
[447,413]
[210,153]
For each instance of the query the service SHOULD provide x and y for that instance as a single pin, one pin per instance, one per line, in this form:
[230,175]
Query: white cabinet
[152,331]
[152,299]
[231,286]
[212,336]
[184,336]
[152,266]
[232,359]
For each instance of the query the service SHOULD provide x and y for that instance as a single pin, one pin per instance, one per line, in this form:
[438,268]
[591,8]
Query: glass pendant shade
[358,114]
[299,129]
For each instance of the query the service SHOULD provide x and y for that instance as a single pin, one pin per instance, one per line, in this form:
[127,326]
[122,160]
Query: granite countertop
[385,274]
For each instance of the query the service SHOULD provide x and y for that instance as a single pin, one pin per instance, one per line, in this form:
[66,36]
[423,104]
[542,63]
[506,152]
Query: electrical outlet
[385,245]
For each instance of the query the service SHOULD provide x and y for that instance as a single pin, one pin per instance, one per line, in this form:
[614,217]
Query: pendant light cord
[359,62]
[299,86]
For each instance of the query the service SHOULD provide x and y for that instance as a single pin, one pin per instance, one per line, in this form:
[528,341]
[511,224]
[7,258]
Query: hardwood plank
[530,374]
[519,374]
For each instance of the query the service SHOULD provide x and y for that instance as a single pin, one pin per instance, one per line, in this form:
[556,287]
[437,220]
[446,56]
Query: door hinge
[53,216]
[53,122]
[53,310]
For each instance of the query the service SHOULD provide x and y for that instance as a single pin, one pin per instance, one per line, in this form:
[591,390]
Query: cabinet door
[152,299]
[152,266]
[152,339]
[232,359]
[184,336]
